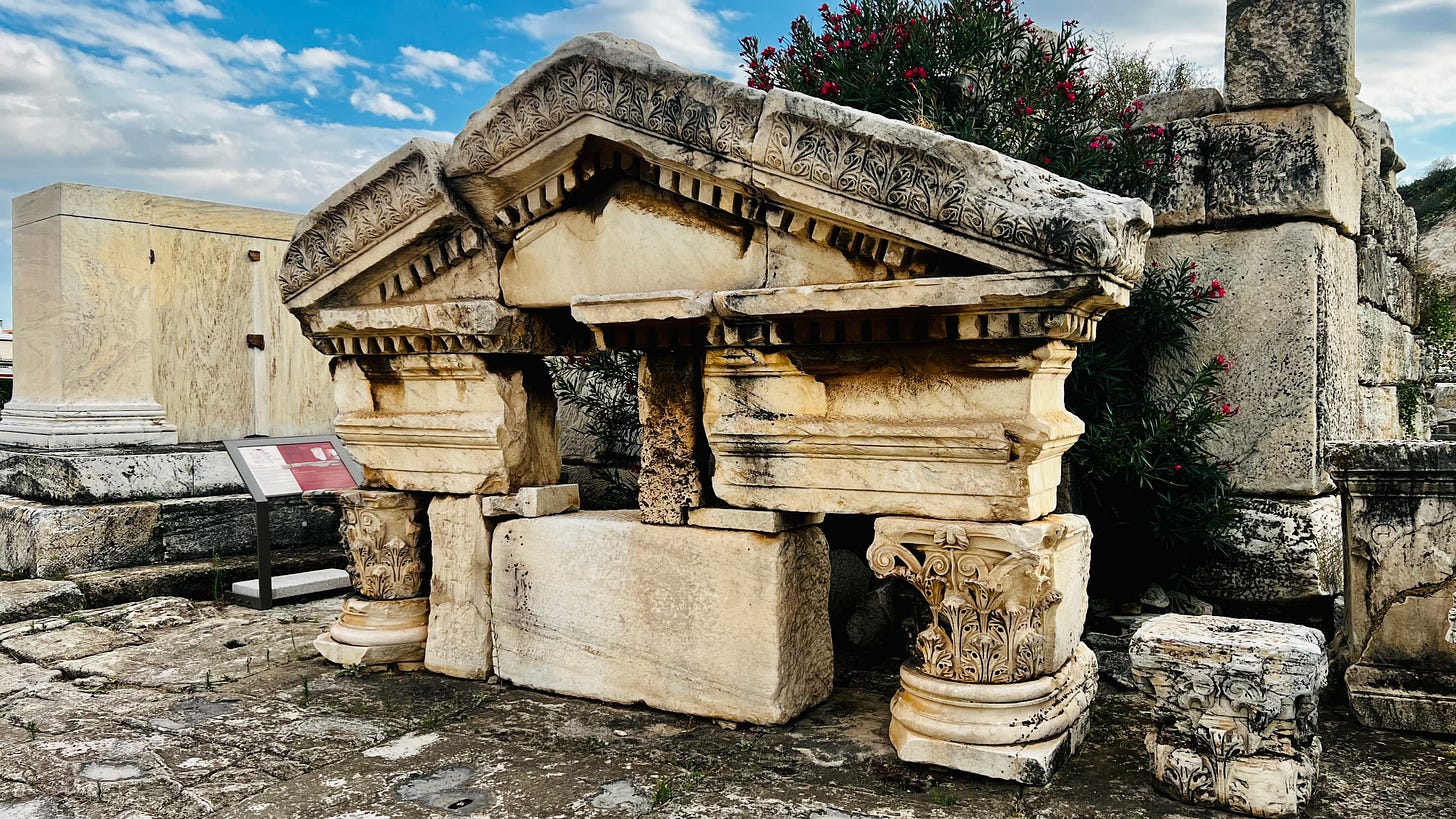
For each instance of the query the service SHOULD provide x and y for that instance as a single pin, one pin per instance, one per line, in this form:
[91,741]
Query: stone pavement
[167,708]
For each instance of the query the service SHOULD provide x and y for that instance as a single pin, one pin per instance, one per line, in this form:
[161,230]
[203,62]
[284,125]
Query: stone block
[31,599]
[1377,144]
[1379,414]
[44,540]
[221,525]
[1388,351]
[1183,202]
[1190,103]
[961,433]
[459,639]
[1235,709]
[1269,326]
[117,474]
[1280,550]
[534,501]
[1400,542]
[724,624]
[669,402]
[752,520]
[318,581]
[1287,52]
[1399,534]
[1297,163]
[1386,217]
[448,423]
[1387,283]
[1007,600]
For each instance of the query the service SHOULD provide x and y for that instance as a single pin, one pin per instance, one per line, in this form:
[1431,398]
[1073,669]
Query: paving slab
[150,735]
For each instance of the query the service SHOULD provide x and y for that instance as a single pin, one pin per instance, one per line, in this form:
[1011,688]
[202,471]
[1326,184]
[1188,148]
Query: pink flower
[829,89]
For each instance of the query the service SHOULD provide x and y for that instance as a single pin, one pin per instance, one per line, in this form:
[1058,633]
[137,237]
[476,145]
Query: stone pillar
[459,641]
[669,398]
[1287,52]
[386,619]
[83,304]
[1290,202]
[1235,711]
[1003,683]
[1400,550]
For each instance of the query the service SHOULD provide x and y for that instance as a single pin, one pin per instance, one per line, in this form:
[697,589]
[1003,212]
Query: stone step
[195,579]
[29,599]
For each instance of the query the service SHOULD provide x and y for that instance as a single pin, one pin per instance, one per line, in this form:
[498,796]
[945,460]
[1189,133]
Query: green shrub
[1157,499]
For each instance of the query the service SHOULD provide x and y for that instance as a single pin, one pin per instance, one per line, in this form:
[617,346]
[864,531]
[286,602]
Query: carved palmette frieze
[1255,786]
[988,597]
[700,112]
[927,180]
[368,213]
[382,532]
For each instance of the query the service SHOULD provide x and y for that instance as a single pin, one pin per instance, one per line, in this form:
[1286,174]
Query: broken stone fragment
[1287,52]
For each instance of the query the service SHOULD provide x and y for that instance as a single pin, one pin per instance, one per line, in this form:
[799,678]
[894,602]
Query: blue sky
[276,103]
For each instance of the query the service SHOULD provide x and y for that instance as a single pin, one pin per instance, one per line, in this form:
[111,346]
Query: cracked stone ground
[167,708]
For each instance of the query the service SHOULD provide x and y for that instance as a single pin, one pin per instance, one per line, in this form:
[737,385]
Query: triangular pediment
[605,171]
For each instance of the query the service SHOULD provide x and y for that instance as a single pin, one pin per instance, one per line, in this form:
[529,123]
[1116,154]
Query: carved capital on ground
[382,532]
[994,590]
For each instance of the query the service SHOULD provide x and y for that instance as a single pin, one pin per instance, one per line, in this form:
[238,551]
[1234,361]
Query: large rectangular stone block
[714,622]
[117,473]
[1298,163]
[959,433]
[449,423]
[1388,351]
[1273,330]
[1285,52]
[1280,550]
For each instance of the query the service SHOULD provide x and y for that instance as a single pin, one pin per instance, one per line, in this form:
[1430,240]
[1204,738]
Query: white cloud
[433,66]
[195,8]
[680,30]
[371,100]
[323,61]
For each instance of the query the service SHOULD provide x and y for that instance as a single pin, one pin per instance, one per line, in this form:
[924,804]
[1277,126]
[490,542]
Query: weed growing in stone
[662,794]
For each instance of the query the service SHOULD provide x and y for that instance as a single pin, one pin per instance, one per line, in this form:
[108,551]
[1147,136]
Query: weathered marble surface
[924,430]
[713,622]
[1400,504]
[1281,550]
[448,423]
[387,542]
[31,599]
[459,639]
[1300,162]
[1288,322]
[118,341]
[117,474]
[1007,600]
[1283,52]
[1235,711]
[670,406]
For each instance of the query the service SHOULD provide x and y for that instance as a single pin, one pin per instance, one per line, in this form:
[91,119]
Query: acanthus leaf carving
[988,603]
[381,531]
[365,216]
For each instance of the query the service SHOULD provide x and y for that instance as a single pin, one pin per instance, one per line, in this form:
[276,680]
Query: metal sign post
[288,467]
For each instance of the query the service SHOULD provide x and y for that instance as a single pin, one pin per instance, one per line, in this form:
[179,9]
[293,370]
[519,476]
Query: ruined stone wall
[1285,194]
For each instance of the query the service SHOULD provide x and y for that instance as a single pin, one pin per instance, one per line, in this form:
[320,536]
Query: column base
[379,624]
[1022,732]
[61,426]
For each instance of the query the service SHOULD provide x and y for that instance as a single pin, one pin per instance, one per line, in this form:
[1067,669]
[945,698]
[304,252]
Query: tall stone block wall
[1286,195]
[133,314]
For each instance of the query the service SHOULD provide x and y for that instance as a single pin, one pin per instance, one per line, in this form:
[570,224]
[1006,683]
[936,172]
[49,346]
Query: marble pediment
[605,175]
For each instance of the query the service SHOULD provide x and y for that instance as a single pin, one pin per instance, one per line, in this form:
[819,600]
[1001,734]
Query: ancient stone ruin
[838,313]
